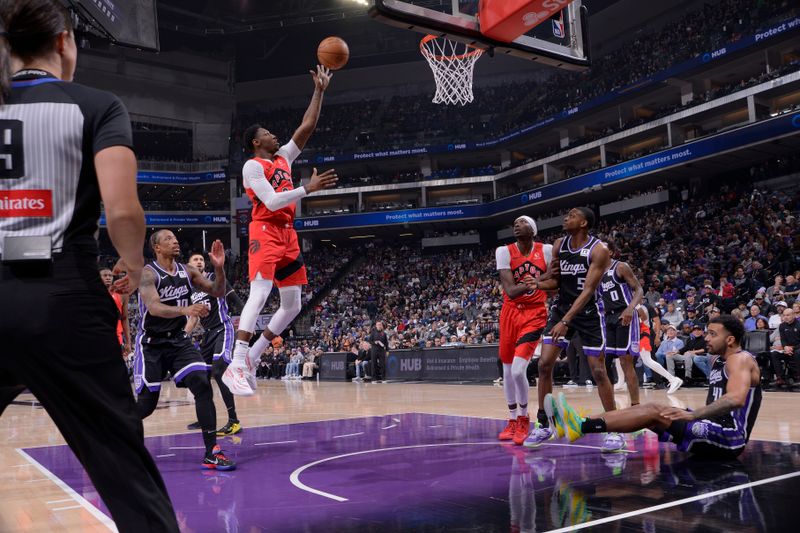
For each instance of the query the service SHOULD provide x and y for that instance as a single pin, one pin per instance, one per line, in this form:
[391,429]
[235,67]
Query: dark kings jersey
[217,308]
[175,290]
[718,386]
[616,293]
[574,265]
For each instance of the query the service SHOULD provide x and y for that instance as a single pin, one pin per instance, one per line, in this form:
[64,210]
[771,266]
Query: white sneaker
[589,384]
[498,380]
[620,386]
[675,385]
[236,378]
[570,385]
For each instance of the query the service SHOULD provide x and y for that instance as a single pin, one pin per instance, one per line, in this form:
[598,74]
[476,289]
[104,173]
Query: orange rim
[428,53]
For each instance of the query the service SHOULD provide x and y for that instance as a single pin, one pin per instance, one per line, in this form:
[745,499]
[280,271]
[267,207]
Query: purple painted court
[422,472]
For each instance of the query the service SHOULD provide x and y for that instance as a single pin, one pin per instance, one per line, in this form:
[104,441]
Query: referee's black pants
[58,325]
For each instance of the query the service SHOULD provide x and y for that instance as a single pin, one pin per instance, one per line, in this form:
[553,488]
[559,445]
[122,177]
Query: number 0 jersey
[174,290]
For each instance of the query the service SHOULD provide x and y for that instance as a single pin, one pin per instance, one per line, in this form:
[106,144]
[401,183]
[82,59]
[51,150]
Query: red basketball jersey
[279,174]
[521,265]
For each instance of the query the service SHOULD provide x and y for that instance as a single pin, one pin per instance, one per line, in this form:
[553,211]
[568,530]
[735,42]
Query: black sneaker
[231,428]
[218,461]
[193,425]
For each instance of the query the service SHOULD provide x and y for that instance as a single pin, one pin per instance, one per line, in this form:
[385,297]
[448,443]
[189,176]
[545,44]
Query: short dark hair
[587,214]
[732,324]
[154,238]
[249,136]
[611,245]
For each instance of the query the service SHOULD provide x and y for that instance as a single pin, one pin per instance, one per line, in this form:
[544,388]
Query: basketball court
[410,457]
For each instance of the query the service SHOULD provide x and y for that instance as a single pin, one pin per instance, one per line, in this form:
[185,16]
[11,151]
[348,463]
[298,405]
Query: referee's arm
[116,177]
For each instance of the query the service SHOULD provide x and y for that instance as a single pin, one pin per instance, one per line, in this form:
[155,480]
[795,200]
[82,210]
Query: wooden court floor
[36,503]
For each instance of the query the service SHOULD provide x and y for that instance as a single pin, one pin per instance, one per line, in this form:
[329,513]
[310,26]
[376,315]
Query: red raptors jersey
[279,174]
[118,302]
[522,265]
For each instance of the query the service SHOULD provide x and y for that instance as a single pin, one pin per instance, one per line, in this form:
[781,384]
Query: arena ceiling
[266,36]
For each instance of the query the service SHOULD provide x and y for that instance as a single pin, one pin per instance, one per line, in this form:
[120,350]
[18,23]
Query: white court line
[68,508]
[396,420]
[436,426]
[94,511]
[348,435]
[61,501]
[390,427]
[187,447]
[165,455]
[676,503]
[294,477]
[570,445]
[279,442]
[21,466]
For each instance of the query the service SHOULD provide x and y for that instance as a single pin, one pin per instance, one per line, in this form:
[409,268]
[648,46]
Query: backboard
[561,43]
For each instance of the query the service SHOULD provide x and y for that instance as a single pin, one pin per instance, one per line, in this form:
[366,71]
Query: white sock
[258,348]
[240,350]
[620,373]
[519,373]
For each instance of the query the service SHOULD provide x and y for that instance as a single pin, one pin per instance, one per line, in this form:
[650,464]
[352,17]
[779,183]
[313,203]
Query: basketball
[333,53]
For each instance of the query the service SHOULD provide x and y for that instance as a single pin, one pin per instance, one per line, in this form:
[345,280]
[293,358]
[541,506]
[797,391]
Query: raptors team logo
[526,269]
[255,246]
[280,179]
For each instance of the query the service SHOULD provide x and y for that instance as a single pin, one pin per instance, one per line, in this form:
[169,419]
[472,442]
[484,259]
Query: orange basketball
[333,53]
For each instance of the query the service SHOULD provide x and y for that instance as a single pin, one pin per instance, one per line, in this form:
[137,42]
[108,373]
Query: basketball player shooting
[274,252]
[522,320]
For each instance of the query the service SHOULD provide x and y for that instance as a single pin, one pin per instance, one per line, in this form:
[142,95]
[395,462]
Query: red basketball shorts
[521,329]
[275,254]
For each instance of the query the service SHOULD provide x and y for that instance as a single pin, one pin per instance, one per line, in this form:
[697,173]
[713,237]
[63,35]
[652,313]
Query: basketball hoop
[452,64]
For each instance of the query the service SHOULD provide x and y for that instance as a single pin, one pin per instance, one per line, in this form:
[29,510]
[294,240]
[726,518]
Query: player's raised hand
[217,254]
[322,77]
[319,182]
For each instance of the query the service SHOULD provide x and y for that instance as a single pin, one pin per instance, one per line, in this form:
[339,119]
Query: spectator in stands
[673,315]
[708,298]
[362,362]
[792,288]
[755,314]
[311,363]
[761,302]
[670,349]
[691,317]
[776,318]
[743,285]
[727,293]
[776,287]
[790,338]
[741,312]
[696,348]
[652,295]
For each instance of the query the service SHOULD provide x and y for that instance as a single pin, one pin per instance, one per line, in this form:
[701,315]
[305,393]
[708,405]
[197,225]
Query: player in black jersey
[217,341]
[163,346]
[720,430]
[621,293]
[578,264]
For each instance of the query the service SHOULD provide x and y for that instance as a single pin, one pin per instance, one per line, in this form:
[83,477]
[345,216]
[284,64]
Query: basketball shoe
[523,427]
[238,375]
[509,431]
[568,417]
[217,460]
[231,428]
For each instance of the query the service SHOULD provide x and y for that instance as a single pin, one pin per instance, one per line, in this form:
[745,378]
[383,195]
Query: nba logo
[558,27]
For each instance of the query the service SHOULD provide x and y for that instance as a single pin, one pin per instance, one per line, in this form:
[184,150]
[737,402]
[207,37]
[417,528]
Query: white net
[452,64]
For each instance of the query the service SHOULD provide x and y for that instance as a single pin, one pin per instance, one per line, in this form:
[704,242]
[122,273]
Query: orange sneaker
[508,433]
[523,428]
[277,341]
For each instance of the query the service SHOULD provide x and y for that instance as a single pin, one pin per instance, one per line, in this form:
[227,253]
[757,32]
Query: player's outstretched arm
[739,369]
[322,77]
[551,279]
[600,261]
[215,288]
[149,294]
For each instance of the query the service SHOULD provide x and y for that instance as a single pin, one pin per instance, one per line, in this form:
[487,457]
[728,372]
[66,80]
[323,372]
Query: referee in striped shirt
[63,148]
